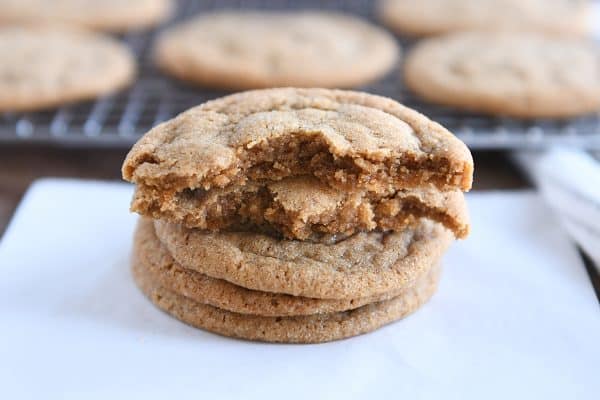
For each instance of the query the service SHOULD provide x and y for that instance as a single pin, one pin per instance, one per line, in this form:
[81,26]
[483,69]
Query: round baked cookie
[303,208]
[294,329]
[524,75]
[153,260]
[434,17]
[47,66]
[348,140]
[362,265]
[246,50]
[106,15]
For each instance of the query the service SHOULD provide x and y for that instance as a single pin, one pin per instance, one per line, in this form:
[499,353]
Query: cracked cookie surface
[49,66]
[348,140]
[247,50]
[524,75]
[152,259]
[292,329]
[362,265]
[303,208]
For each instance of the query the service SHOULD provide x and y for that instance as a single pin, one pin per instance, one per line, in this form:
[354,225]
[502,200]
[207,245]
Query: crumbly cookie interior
[298,209]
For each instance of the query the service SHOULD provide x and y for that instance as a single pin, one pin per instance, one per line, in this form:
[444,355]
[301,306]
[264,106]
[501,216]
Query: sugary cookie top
[352,138]
[520,73]
[365,264]
[155,260]
[245,50]
[427,17]
[46,65]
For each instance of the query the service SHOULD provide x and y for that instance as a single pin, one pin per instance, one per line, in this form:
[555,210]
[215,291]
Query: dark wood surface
[20,166]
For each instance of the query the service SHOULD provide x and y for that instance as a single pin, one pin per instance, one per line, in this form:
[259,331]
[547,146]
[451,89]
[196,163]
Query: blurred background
[89,139]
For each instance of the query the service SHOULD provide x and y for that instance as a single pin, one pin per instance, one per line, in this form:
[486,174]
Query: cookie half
[348,140]
[434,17]
[48,66]
[520,75]
[303,208]
[151,258]
[362,265]
[297,329]
[253,49]
[106,15]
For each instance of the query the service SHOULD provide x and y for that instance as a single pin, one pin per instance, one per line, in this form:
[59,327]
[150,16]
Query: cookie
[362,265]
[152,259]
[523,75]
[254,49]
[106,15]
[303,208]
[434,17]
[48,66]
[296,329]
[348,140]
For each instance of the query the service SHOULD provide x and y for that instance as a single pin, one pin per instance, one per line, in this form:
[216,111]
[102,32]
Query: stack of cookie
[295,215]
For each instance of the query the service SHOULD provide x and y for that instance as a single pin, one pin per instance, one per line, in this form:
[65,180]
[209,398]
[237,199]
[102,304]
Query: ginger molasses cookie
[362,265]
[294,329]
[246,50]
[429,17]
[347,140]
[106,15]
[151,258]
[514,74]
[47,66]
[303,208]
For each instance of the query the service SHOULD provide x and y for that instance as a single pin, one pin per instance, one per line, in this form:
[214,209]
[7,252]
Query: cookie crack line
[402,151]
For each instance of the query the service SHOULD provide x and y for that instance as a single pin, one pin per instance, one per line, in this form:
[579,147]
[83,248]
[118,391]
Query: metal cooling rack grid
[120,119]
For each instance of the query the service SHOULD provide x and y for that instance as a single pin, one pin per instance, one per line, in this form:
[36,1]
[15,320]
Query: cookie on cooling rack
[525,75]
[243,50]
[47,66]
[106,15]
[431,17]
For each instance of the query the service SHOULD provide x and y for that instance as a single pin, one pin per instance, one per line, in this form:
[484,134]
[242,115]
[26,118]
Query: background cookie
[363,265]
[152,259]
[44,67]
[244,50]
[514,74]
[301,329]
[427,17]
[108,15]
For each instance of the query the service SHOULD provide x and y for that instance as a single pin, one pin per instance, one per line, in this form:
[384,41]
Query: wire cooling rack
[119,120]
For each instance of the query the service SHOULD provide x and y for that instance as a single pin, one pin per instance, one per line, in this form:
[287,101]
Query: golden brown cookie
[524,75]
[106,15]
[362,265]
[152,259]
[247,50]
[47,66]
[434,17]
[296,329]
[348,140]
[303,208]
